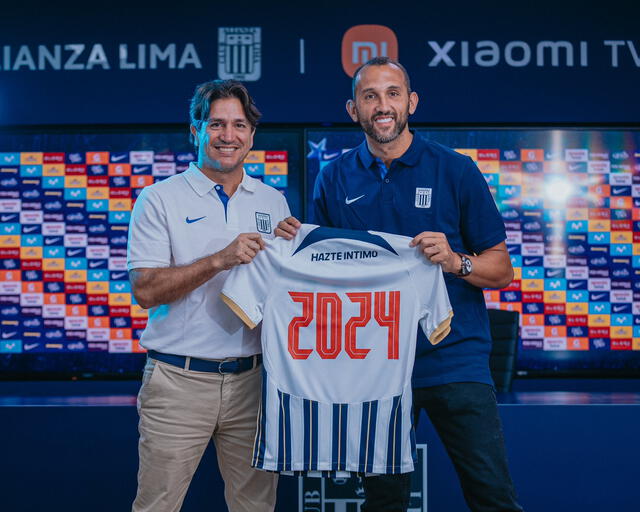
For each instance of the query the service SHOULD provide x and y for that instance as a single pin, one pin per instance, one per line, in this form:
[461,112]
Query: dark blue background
[503,94]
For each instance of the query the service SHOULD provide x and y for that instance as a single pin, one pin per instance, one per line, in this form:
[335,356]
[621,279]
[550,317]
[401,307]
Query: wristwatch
[466,267]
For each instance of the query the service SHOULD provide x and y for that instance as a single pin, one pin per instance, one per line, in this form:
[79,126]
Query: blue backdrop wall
[472,62]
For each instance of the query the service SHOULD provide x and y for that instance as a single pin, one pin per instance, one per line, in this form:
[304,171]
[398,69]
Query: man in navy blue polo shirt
[398,182]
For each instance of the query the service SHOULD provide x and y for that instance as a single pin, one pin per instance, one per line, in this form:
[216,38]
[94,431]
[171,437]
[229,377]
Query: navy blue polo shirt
[429,188]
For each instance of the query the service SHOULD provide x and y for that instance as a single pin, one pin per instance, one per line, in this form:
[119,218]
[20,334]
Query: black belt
[239,365]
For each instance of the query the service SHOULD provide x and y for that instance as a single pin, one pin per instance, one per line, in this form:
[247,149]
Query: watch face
[466,266]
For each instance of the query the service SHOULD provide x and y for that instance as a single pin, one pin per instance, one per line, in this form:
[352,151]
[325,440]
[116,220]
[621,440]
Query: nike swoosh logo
[94,264]
[117,158]
[597,297]
[573,285]
[616,309]
[6,335]
[73,253]
[119,275]
[349,201]
[7,218]
[618,190]
[30,346]
[191,221]
[29,229]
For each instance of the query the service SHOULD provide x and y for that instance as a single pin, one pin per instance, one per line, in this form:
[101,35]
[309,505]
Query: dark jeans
[465,415]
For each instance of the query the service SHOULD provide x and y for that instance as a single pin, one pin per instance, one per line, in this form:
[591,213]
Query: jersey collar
[203,185]
[410,158]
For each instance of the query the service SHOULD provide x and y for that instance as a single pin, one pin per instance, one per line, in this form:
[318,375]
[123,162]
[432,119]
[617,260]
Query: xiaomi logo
[364,42]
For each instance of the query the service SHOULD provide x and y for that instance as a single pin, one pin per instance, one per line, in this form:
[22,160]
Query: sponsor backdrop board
[570,200]
[475,62]
[66,306]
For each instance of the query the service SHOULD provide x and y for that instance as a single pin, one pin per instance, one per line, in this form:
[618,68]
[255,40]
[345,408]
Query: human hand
[242,250]
[287,228]
[436,249]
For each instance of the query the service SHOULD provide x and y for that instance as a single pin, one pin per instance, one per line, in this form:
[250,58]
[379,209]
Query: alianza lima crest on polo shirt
[423,197]
[263,222]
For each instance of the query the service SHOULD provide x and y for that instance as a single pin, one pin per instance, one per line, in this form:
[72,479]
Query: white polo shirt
[180,220]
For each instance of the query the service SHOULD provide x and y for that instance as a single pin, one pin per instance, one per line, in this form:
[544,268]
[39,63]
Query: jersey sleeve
[247,286]
[149,245]
[436,312]
[481,224]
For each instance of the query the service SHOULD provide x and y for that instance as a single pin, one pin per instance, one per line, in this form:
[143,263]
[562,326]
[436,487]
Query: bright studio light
[558,190]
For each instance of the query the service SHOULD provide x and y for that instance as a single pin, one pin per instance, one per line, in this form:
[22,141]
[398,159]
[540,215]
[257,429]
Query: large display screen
[66,307]
[570,200]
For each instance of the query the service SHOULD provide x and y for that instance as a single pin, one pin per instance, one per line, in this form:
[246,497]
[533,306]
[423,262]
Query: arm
[154,286]
[491,268]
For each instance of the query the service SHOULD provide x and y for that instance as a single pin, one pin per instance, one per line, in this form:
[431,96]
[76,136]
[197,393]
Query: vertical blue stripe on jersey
[412,436]
[394,447]
[339,437]
[310,435]
[368,436]
[284,439]
[259,443]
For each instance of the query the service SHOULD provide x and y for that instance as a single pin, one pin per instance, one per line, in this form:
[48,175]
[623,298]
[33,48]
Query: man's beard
[368,126]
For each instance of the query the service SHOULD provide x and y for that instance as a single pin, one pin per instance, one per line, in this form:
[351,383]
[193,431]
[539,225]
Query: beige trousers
[180,411]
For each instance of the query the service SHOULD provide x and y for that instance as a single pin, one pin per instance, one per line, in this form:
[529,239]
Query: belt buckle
[220,369]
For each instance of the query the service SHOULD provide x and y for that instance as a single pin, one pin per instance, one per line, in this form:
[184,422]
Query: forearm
[155,286]
[491,269]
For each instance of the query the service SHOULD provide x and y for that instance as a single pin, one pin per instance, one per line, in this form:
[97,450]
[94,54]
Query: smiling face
[224,138]
[382,102]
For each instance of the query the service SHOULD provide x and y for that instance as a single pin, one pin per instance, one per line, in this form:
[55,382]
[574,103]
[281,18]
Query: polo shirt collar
[409,158]
[203,185]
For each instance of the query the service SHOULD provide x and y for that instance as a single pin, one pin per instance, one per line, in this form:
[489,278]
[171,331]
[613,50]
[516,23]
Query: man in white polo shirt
[202,378]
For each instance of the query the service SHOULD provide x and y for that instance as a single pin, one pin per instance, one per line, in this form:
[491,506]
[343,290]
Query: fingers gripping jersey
[339,312]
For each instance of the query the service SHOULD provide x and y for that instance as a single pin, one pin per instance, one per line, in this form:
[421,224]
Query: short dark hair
[208,92]
[379,61]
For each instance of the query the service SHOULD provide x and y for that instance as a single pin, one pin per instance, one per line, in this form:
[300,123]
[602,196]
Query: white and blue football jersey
[339,312]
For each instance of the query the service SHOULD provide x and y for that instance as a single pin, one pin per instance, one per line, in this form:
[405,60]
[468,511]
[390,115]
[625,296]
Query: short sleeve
[149,245]
[481,224]
[436,312]
[284,210]
[247,286]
